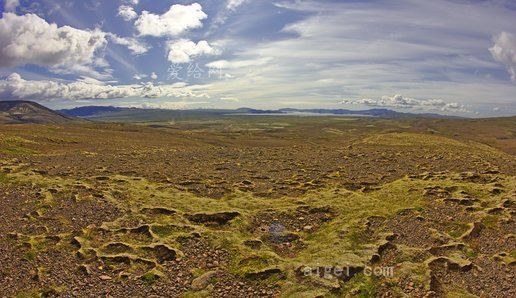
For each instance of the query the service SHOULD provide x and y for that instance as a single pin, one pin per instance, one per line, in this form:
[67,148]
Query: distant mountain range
[18,112]
[112,113]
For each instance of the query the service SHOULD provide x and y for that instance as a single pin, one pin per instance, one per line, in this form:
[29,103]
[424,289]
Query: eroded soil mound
[116,211]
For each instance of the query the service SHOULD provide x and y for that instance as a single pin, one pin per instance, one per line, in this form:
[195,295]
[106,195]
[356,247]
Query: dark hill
[19,112]
[92,111]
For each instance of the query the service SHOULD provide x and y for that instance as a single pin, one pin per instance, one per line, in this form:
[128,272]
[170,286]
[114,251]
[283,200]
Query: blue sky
[454,56]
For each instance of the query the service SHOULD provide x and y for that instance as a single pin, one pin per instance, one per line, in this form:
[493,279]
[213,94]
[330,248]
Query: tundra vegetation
[259,207]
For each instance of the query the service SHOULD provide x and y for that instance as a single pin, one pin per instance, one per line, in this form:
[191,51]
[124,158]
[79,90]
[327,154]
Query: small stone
[203,281]
[307,228]
[105,277]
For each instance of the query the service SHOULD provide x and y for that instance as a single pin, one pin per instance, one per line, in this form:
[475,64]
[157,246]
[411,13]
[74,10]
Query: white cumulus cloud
[177,20]
[233,4]
[10,5]
[134,45]
[29,39]
[15,87]
[154,76]
[182,50]
[402,102]
[139,76]
[504,50]
[127,13]
[131,2]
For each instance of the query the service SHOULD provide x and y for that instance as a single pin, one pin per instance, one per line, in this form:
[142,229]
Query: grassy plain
[259,206]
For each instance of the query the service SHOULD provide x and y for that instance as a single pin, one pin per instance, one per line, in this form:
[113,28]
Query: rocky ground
[404,208]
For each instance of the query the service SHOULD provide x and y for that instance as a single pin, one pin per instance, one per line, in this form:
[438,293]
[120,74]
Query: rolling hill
[19,112]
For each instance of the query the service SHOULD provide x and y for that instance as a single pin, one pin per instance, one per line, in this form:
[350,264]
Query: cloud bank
[402,102]
[15,87]
[171,105]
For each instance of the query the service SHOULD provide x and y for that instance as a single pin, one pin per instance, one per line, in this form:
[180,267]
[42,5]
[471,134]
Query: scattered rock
[308,228]
[203,281]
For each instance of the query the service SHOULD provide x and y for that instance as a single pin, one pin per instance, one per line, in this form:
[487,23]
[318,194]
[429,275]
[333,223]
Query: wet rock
[284,237]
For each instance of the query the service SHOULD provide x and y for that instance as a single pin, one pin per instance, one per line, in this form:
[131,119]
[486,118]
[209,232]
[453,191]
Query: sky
[454,57]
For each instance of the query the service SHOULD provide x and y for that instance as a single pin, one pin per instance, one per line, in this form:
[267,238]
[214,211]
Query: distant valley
[116,114]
